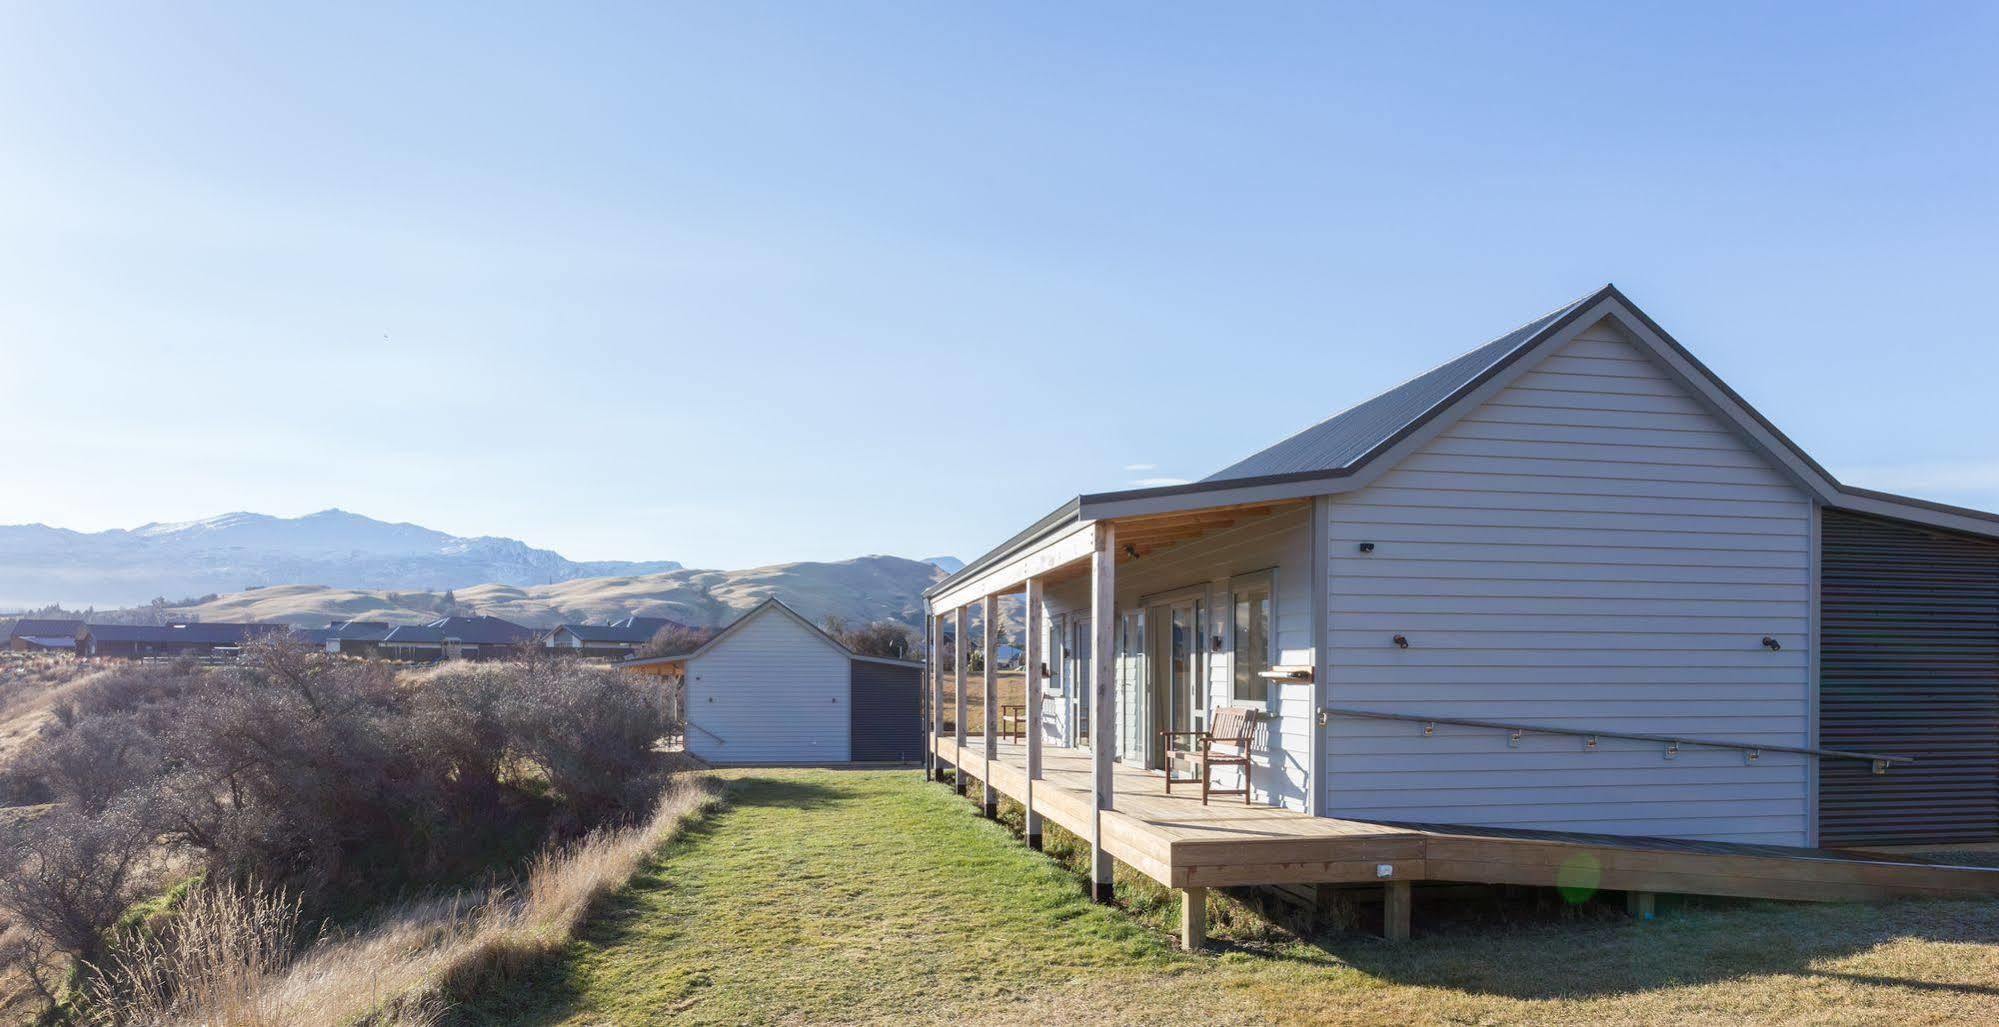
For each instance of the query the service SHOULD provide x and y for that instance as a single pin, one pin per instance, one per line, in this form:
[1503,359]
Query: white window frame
[1264,580]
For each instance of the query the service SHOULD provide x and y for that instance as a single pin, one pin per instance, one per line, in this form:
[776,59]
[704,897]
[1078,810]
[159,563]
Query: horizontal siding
[773,691]
[1589,549]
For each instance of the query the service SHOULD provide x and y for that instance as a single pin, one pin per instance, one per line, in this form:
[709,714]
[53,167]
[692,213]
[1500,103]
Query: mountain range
[236,551]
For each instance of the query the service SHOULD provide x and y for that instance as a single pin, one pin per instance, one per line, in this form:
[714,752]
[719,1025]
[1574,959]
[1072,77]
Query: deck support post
[959,643]
[1103,689]
[1031,659]
[989,701]
[1193,918]
[1642,905]
[1395,911]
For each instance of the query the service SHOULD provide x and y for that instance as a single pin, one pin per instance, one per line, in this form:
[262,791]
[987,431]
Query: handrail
[1673,742]
[703,730]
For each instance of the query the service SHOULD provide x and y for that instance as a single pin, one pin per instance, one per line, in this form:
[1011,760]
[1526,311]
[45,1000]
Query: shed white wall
[772,691]
[1593,549]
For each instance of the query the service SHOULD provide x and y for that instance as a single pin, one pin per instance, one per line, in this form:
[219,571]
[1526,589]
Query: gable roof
[1350,435]
[1335,454]
[772,604]
[477,630]
[631,629]
[198,633]
[34,627]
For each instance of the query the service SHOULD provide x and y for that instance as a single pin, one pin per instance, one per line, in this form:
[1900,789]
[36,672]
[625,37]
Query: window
[1250,598]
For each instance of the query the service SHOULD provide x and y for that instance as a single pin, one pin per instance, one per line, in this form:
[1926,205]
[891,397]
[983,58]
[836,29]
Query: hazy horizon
[736,287]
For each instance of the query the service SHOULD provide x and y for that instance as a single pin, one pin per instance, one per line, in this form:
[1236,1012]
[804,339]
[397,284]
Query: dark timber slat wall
[1909,665]
[887,711]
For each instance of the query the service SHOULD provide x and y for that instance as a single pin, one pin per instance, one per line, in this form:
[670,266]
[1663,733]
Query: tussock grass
[226,961]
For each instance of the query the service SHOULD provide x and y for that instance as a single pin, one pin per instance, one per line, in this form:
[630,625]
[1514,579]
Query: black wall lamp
[1367,547]
[1772,644]
[1401,641]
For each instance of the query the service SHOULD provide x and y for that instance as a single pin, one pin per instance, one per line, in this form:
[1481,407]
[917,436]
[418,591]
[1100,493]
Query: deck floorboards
[1181,843]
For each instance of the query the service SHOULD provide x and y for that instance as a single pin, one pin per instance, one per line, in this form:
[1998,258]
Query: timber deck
[1180,843]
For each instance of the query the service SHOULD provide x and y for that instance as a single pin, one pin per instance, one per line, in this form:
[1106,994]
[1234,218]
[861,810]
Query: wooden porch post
[989,691]
[1642,905]
[958,719]
[935,626]
[1103,607]
[1031,658]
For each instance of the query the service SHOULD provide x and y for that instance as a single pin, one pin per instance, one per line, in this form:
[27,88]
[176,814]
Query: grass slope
[828,896]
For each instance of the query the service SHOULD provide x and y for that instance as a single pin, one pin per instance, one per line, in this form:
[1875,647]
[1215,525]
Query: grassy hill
[867,588]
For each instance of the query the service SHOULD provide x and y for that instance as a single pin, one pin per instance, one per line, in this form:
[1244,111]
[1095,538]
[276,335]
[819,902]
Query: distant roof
[360,631]
[314,636]
[41,628]
[409,633]
[631,629]
[46,641]
[200,633]
[481,630]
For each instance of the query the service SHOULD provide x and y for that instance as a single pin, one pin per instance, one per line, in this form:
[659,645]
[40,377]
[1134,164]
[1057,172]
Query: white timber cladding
[1281,544]
[1590,548]
[772,690]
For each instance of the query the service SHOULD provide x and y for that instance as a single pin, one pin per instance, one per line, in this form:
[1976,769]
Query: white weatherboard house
[772,688]
[1567,582]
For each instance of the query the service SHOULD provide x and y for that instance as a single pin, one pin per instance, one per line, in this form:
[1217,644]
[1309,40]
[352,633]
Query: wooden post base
[1193,918]
[1034,842]
[1642,905]
[1395,911]
[989,809]
[1101,891]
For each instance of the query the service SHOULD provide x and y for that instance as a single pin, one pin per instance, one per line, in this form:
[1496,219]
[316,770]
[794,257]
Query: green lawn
[817,896]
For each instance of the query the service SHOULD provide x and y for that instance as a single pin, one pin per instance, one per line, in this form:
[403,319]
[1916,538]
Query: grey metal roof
[478,630]
[631,629]
[214,633]
[44,628]
[1338,442]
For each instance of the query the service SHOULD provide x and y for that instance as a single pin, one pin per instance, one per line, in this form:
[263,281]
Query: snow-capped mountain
[40,564]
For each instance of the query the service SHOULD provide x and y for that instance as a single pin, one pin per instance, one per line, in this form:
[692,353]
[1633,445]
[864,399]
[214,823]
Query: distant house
[131,641]
[33,635]
[356,637]
[454,638]
[617,639]
[773,688]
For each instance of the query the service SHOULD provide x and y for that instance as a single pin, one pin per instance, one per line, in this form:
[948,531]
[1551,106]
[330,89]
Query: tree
[674,640]
[882,638]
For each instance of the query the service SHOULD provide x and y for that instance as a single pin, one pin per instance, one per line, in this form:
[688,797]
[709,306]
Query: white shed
[773,688]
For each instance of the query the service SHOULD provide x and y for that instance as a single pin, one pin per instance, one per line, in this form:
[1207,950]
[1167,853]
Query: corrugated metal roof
[1338,441]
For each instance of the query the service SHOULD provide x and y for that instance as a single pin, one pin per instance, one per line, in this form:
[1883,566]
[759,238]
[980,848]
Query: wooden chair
[1224,744]
[1013,722]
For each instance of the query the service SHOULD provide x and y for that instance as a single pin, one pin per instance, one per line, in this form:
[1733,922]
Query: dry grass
[820,896]
[1010,685]
[222,969]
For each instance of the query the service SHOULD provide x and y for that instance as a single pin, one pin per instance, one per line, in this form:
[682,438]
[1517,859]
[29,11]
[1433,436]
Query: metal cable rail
[1750,750]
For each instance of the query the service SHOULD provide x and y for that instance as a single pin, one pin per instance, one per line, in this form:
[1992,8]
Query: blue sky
[738,284]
